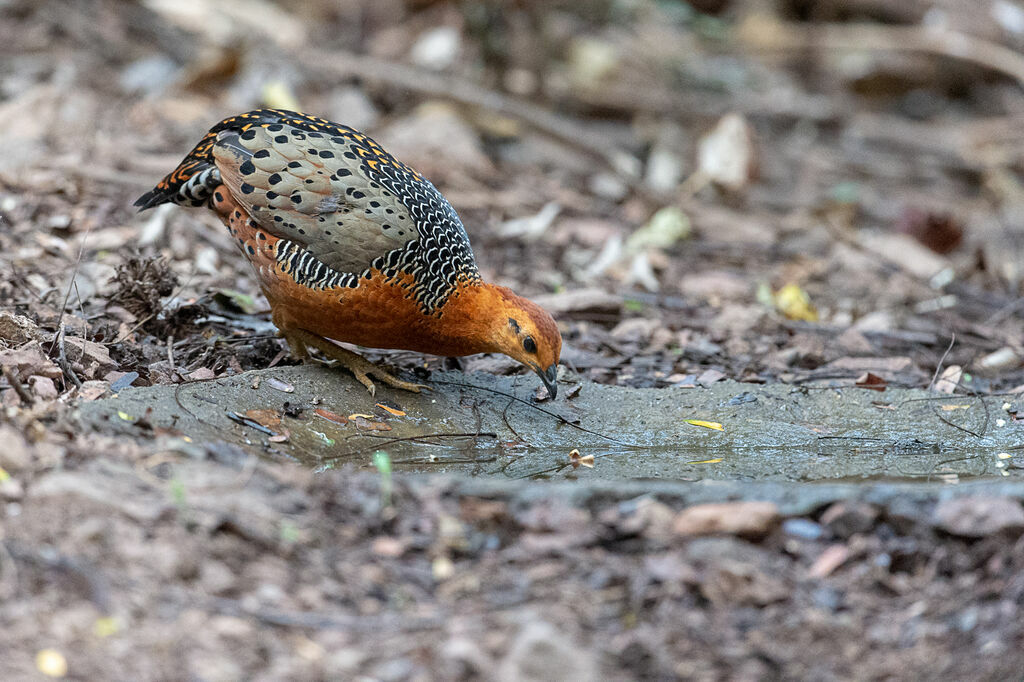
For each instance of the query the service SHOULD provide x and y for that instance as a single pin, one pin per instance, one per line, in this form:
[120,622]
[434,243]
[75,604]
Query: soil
[701,193]
[217,565]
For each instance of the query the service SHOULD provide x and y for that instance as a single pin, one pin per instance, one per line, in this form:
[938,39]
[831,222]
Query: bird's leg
[360,367]
[296,347]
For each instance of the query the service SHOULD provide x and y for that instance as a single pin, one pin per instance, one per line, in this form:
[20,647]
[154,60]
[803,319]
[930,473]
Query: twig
[246,421]
[62,357]
[18,387]
[508,425]
[957,426]
[557,416]
[67,295]
[942,360]
[932,471]
[170,353]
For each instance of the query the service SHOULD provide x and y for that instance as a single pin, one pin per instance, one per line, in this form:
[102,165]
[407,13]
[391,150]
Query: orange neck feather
[469,321]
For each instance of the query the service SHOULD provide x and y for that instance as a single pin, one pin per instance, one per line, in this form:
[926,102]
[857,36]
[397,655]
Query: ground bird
[350,244]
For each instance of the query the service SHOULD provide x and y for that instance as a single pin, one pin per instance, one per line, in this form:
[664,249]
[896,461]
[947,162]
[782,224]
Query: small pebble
[827,598]
[803,529]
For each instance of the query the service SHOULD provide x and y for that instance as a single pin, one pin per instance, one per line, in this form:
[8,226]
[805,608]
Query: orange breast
[377,313]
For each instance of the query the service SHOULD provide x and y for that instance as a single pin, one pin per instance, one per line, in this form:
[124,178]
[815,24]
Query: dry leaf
[871,381]
[707,425]
[392,410]
[267,418]
[726,156]
[330,416]
[795,304]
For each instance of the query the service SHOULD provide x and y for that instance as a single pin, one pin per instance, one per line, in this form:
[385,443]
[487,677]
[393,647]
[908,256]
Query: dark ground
[882,183]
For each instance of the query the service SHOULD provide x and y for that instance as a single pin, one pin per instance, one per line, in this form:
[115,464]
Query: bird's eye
[529,345]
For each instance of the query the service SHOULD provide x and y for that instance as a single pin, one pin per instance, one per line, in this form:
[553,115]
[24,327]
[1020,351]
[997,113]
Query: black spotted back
[330,190]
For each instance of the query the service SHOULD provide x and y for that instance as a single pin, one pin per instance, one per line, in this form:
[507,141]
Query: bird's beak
[550,378]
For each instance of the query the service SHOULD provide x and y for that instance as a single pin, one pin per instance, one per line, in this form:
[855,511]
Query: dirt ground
[214,565]
[823,193]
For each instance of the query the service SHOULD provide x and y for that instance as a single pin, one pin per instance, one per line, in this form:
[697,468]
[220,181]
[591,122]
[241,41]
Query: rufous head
[525,332]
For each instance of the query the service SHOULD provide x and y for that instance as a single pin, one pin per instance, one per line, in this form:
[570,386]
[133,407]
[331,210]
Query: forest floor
[695,210]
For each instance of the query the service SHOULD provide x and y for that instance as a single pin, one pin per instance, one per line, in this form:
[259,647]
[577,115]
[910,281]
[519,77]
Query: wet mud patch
[484,425]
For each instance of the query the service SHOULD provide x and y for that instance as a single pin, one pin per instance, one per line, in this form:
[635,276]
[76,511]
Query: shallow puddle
[471,425]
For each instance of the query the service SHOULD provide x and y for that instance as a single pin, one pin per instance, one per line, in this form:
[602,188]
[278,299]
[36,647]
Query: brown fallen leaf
[940,232]
[330,416]
[202,374]
[391,410]
[872,381]
[267,417]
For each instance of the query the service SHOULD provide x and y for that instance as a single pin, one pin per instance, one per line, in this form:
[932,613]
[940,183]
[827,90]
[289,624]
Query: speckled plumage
[350,244]
[336,195]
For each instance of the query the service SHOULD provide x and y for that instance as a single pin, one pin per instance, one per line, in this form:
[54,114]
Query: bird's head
[525,332]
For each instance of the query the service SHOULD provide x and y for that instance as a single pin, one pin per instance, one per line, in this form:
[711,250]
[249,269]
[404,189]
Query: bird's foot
[360,367]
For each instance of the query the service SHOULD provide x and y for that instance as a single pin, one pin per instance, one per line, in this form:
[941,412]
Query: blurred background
[752,189]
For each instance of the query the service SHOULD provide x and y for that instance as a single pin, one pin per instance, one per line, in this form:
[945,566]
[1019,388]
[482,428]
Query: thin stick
[508,425]
[18,387]
[557,416]
[62,358]
[957,426]
[67,294]
[170,352]
[942,360]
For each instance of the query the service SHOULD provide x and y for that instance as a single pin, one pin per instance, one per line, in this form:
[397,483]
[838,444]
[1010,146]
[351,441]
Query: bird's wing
[337,193]
[332,191]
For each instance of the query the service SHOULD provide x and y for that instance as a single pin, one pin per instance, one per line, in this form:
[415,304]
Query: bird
[349,244]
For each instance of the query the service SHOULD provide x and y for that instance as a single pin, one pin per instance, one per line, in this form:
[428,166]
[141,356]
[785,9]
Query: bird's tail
[191,183]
